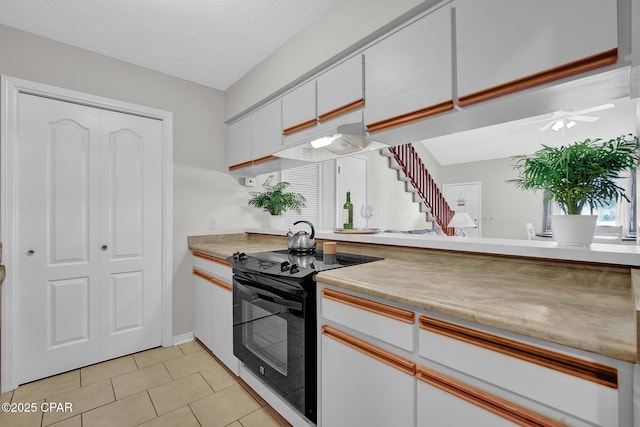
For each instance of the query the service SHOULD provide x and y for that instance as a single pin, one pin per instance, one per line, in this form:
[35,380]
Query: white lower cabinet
[440,408]
[201,310]
[358,389]
[371,374]
[212,315]
[222,326]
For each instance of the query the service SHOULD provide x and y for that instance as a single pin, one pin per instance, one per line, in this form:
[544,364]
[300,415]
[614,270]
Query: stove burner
[297,265]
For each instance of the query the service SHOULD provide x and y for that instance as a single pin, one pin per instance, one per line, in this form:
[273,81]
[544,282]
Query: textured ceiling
[211,42]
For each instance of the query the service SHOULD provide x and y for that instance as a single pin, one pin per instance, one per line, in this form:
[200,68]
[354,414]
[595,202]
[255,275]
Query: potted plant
[582,174]
[275,200]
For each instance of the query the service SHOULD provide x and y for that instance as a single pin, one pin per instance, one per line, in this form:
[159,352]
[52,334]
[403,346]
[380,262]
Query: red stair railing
[425,186]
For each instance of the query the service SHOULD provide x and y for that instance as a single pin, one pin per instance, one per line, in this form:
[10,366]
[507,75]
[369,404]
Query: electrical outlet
[212,223]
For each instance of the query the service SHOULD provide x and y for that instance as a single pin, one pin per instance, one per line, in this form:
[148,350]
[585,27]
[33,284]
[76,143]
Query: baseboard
[183,338]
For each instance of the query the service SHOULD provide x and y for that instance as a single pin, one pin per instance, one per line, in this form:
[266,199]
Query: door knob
[104,247]
[30,252]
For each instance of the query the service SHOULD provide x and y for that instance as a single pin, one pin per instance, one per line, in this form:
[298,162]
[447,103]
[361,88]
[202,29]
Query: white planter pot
[276,222]
[573,230]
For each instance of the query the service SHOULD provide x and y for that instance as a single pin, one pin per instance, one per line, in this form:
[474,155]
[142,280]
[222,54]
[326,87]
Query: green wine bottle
[348,213]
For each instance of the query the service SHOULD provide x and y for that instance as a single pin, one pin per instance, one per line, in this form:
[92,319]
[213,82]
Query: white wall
[393,207]
[346,25]
[505,209]
[202,188]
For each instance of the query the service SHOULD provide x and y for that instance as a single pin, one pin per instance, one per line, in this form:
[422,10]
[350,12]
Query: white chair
[608,233]
[531,232]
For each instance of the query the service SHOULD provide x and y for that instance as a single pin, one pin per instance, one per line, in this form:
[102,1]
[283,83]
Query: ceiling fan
[568,119]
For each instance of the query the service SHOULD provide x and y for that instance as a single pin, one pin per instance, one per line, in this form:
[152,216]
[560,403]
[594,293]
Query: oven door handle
[263,294]
[278,300]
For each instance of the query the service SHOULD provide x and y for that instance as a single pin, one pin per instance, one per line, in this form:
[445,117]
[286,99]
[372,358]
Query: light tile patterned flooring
[173,386]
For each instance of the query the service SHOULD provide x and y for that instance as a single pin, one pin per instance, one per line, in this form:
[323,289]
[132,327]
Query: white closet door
[130,233]
[57,213]
[88,227]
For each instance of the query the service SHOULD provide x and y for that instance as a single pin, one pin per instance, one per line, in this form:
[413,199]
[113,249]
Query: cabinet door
[222,325]
[408,74]
[299,108]
[340,89]
[239,142]
[360,390]
[266,130]
[499,41]
[201,310]
[438,406]
[573,385]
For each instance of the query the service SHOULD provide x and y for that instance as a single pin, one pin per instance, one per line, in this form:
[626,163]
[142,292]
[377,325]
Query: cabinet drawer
[580,387]
[218,267]
[387,323]
[444,401]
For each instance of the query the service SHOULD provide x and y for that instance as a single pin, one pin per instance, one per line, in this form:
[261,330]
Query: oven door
[272,337]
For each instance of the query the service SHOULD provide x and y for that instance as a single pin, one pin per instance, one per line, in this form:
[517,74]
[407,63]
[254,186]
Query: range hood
[338,138]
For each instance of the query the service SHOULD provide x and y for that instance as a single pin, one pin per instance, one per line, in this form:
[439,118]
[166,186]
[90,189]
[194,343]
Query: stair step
[385,152]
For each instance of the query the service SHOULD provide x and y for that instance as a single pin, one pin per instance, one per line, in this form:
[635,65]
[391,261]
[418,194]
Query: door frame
[339,198]
[479,185]
[10,89]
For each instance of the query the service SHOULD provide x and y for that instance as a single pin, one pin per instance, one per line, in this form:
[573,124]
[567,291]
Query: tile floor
[180,386]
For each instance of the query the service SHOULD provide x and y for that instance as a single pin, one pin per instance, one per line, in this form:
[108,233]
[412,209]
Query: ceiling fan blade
[583,118]
[547,126]
[594,109]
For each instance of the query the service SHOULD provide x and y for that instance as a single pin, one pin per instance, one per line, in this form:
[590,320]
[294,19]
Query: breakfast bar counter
[586,306]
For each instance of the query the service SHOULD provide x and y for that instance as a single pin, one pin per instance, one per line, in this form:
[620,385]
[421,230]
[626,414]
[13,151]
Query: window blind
[306,181]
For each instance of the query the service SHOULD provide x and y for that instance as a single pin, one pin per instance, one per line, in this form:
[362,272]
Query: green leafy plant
[274,200]
[580,174]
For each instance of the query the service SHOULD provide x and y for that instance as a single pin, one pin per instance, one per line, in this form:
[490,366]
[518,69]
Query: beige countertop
[592,310]
[592,318]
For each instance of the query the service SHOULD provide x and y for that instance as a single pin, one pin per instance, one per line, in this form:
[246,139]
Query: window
[620,213]
[306,181]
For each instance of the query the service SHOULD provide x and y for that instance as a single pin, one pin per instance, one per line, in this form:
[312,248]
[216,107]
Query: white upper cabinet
[299,108]
[341,89]
[503,41]
[239,142]
[408,74]
[255,136]
[266,131]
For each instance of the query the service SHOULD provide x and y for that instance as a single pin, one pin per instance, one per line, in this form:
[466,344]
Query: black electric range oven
[274,320]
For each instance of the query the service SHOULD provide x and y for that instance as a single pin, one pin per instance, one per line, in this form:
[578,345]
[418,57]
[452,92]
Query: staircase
[419,182]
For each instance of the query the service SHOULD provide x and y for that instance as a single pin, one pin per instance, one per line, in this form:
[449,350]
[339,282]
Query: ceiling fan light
[569,124]
[559,124]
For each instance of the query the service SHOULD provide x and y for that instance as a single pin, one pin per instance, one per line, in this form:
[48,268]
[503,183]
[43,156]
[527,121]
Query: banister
[426,188]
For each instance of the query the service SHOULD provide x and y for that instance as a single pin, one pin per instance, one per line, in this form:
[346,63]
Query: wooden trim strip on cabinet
[212,258]
[587,370]
[253,162]
[301,126]
[341,110]
[482,399]
[395,361]
[569,69]
[372,306]
[220,283]
[410,117]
